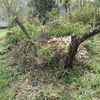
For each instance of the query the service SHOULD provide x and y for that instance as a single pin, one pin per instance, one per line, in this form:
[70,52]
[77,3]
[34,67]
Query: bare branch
[22,27]
[75,42]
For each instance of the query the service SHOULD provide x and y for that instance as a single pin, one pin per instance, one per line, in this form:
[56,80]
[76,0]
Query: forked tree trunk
[72,52]
[75,42]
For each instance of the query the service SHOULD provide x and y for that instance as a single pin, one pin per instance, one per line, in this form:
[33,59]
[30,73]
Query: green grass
[6,73]
[5,77]
[82,83]
[94,61]
[3,50]
[2,34]
[86,80]
[8,76]
[85,84]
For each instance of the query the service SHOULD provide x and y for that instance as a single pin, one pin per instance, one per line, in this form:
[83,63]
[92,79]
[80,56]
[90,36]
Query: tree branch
[75,42]
[89,34]
[22,27]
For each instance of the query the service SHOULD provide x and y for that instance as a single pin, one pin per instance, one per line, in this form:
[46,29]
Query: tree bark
[75,42]
[72,52]
[22,27]
[26,34]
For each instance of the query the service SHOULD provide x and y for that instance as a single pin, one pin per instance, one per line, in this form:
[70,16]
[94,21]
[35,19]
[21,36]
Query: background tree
[40,8]
[13,8]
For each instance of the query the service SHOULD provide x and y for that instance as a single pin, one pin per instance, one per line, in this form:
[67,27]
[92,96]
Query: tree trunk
[72,52]
[26,34]
[22,27]
[75,42]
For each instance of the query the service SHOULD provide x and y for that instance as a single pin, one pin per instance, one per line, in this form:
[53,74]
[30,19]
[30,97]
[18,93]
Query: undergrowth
[53,83]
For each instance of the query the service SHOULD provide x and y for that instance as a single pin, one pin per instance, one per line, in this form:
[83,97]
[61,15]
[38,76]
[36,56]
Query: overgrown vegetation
[33,68]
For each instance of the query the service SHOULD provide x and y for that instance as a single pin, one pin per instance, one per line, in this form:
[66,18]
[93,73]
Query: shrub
[84,14]
[16,33]
[45,53]
[24,54]
[53,14]
[60,27]
[33,30]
